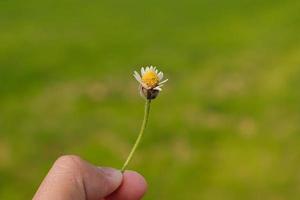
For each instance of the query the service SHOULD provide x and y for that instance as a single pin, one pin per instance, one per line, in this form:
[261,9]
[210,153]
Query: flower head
[151,81]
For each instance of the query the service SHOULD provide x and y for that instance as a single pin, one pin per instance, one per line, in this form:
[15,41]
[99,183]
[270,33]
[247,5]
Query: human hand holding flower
[72,178]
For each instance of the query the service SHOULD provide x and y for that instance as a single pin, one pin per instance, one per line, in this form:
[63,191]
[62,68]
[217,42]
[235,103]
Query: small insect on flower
[151,81]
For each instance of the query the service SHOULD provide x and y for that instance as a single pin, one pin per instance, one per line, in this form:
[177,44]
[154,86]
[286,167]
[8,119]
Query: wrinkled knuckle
[69,163]
[68,160]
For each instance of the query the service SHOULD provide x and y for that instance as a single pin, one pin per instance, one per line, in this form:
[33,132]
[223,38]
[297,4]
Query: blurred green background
[226,125]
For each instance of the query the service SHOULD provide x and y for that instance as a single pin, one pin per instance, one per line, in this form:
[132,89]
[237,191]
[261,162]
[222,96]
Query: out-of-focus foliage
[226,126]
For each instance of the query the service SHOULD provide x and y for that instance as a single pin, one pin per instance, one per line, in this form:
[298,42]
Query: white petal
[147,69]
[142,71]
[163,82]
[141,92]
[157,88]
[137,76]
[135,72]
[160,75]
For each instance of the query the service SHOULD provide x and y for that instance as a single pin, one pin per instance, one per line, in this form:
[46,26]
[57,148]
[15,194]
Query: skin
[72,178]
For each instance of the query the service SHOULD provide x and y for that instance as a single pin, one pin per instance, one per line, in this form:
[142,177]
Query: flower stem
[144,124]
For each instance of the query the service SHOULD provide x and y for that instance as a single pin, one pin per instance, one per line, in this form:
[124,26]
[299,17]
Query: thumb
[73,178]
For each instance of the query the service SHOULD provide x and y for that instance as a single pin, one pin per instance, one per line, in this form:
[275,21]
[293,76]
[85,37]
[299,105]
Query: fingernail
[112,174]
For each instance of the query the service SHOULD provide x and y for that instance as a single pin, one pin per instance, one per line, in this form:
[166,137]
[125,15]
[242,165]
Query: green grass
[226,125]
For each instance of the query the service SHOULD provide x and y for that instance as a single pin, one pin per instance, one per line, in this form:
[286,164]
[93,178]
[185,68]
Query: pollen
[151,79]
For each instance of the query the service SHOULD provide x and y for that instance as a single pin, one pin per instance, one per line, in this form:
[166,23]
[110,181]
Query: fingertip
[133,187]
[113,178]
[137,180]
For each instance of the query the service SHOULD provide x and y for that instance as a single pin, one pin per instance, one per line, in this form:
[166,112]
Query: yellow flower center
[151,79]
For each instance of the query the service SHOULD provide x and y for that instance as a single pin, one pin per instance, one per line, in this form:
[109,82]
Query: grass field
[226,126]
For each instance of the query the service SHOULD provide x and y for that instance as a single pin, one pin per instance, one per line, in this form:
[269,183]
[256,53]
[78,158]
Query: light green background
[226,125]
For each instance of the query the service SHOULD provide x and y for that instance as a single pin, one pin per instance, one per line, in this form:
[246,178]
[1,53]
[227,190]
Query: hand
[72,178]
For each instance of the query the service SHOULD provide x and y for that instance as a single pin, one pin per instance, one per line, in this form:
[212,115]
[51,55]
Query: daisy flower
[151,81]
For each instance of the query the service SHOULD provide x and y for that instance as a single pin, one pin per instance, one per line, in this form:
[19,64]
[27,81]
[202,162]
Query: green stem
[144,124]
